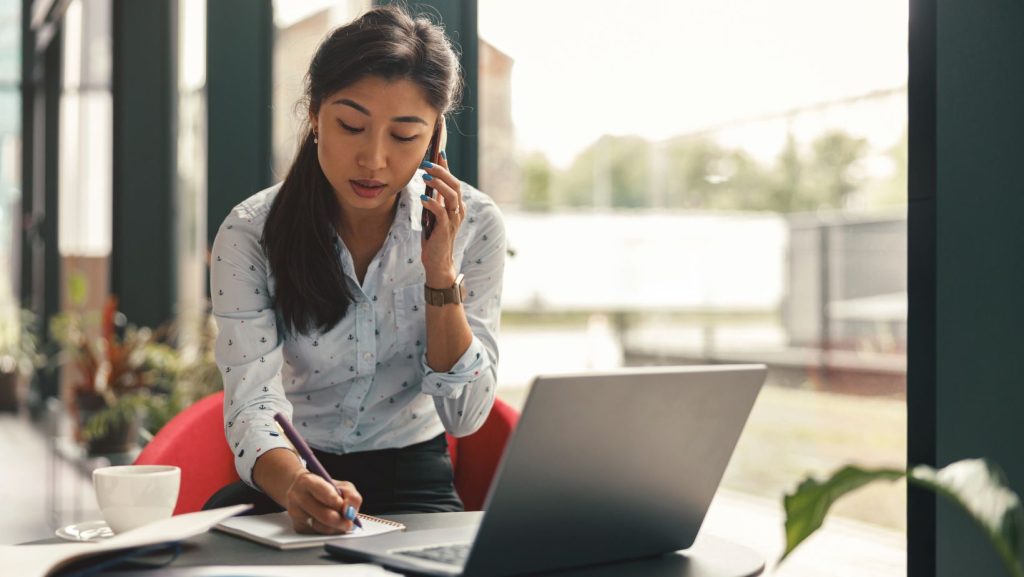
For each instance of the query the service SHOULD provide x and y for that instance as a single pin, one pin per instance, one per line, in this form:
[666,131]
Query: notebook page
[276,530]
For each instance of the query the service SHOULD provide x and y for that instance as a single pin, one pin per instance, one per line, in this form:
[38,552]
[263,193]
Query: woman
[319,287]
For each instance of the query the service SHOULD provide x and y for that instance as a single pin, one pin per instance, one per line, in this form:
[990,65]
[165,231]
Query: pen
[311,461]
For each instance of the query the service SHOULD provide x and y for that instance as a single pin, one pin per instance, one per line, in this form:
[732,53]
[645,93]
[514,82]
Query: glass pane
[85,201]
[10,128]
[10,197]
[10,154]
[726,181]
[87,44]
[10,41]
[190,193]
[300,25]
[192,44]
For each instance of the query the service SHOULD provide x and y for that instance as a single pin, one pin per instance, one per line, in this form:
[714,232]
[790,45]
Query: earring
[315,139]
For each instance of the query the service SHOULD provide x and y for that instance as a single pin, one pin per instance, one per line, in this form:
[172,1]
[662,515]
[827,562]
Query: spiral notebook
[275,530]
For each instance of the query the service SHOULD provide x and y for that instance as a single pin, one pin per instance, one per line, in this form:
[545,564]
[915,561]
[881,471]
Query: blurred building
[500,174]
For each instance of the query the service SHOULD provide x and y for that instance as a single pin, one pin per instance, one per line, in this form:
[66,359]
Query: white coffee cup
[133,495]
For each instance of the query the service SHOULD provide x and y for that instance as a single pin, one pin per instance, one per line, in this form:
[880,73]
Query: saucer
[91,531]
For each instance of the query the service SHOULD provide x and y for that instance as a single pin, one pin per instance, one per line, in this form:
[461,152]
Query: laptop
[602,467]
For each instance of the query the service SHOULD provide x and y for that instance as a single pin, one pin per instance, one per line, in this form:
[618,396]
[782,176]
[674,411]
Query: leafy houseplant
[108,385]
[976,486]
[20,355]
[128,380]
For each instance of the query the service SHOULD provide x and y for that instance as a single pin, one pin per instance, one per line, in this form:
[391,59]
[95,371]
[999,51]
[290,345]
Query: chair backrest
[194,440]
[475,458]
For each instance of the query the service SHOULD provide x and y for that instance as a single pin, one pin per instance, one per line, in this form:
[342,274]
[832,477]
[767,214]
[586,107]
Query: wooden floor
[843,548]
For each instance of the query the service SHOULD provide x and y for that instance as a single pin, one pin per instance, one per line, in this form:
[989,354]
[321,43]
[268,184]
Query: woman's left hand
[449,209]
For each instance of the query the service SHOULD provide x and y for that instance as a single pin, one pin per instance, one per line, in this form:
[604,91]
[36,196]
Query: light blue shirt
[364,385]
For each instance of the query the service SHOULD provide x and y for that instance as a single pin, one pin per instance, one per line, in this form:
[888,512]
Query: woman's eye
[351,129]
[406,139]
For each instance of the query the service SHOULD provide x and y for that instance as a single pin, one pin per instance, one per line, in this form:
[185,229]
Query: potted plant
[181,373]
[977,486]
[19,356]
[129,381]
[107,386]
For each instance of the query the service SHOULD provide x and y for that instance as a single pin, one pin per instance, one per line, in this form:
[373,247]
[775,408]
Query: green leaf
[979,488]
[78,288]
[807,506]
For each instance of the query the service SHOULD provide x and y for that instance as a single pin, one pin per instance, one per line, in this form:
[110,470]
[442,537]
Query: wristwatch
[440,297]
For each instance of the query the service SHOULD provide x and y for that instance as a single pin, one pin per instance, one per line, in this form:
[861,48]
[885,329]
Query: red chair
[194,440]
[475,458]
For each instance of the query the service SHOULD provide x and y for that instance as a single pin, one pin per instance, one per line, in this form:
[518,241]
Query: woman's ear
[313,123]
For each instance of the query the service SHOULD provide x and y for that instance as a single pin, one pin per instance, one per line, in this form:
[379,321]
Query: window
[299,27]
[190,193]
[10,153]
[85,170]
[708,182]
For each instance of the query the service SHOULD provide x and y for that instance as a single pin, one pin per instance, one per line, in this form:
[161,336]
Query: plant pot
[120,437]
[10,391]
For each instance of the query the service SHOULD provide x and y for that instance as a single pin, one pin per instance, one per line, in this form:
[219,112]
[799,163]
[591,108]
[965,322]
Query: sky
[659,68]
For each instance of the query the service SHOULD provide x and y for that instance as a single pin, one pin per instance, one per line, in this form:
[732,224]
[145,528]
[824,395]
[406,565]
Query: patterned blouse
[365,384]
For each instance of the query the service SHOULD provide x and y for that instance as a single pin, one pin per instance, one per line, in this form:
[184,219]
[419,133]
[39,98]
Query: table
[709,557]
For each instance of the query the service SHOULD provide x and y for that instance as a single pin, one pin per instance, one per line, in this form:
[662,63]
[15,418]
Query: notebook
[275,530]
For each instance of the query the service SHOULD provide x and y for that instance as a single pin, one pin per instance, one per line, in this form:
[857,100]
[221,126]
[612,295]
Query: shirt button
[368,356]
[348,423]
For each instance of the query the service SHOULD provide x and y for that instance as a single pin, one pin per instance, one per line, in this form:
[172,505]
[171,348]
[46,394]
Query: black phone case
[428,220]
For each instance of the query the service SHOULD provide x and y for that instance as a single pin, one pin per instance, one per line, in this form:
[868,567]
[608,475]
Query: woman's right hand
[315,506]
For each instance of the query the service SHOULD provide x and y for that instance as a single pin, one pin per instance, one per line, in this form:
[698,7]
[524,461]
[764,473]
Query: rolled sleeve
[248,350]
[464,395]
[467,370]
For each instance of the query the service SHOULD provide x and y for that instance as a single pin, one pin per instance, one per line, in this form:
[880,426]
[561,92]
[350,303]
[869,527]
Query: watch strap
[454,294]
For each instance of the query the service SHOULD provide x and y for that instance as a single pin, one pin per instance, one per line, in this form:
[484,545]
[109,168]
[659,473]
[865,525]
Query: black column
[239,65]
[921,234]
[965,398]
[144,90]
[28,91]
[45,258]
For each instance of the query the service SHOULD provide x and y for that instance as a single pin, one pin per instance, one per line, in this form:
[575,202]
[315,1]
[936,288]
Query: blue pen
[314,465]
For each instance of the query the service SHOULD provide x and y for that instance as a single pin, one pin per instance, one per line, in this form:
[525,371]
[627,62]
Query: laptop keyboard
[447,554]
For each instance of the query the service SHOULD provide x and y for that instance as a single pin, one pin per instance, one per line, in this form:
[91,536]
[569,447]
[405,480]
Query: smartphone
[433,156]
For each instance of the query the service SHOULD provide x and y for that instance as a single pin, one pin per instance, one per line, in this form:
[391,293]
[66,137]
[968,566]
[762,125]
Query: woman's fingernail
[443,155]
[426,164]
[427,177]
[350,512]
[424,197]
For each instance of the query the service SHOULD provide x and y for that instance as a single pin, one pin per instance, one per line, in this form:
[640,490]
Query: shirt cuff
[257,441]
[471,365]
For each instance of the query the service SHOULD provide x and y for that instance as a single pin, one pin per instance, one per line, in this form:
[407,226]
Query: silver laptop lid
[612,466]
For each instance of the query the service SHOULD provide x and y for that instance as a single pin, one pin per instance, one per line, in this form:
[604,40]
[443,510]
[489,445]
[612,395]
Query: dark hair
[298,237]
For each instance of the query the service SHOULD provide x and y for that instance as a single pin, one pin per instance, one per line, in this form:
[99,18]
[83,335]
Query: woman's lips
[367,188]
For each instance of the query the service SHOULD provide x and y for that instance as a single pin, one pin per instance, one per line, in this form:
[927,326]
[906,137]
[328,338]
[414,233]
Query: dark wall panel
[144,86]
[978,359]
[239,83]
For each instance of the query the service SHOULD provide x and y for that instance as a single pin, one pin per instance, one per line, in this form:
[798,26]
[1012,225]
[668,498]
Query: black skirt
[413,479]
